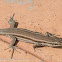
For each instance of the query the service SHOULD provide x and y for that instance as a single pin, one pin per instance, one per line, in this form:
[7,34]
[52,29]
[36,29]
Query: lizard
[28,36]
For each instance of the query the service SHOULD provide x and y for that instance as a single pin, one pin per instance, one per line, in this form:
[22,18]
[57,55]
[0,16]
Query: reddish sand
[37,15]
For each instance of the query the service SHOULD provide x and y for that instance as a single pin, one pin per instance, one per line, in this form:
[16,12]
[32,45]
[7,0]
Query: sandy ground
[37,15]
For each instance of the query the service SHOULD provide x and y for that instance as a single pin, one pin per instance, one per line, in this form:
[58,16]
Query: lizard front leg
[37,45]
[49,34]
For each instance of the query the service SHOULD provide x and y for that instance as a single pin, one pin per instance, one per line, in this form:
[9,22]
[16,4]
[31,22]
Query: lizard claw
[13,48]
[34,46]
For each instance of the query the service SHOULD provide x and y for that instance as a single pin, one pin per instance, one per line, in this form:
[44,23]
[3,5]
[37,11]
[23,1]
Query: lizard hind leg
[13,48]
[12,44]
[12,22]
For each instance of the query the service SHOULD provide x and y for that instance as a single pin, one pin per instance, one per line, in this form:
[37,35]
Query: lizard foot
[13,48]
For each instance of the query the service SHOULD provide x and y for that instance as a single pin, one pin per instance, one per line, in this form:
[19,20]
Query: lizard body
[29,36]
